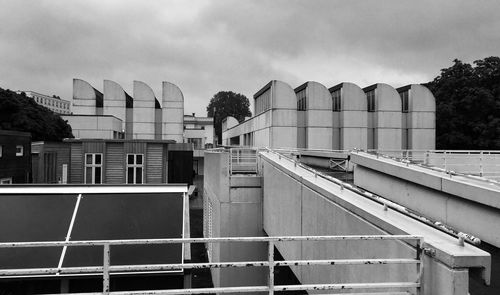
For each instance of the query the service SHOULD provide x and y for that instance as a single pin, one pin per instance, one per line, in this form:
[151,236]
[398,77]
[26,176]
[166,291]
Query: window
[404,101]
[19,150]
[6,180]
[93,168]
[370,97]
[135,168]
[196,143]
[336,105]
[263,102]
[302,100]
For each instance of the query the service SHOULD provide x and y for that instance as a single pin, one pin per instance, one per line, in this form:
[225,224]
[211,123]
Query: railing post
[270,259]
[481,164]
[420,266]
[444,157]
[105,271]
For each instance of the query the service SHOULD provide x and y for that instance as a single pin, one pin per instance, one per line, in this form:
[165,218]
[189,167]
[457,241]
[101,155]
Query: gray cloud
[204,47]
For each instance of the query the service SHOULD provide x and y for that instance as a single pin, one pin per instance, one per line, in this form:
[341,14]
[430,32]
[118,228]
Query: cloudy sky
[208,46]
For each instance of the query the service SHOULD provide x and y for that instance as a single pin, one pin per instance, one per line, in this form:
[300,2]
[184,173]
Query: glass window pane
[139,159]
[88,175]
[97,176]
[130,175]
[138,175]
[130,159]
[98,158]
[88,159]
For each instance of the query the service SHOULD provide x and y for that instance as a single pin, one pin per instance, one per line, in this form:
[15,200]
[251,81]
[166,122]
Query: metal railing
[243,160]
[482,163]
[106,269]
[461,236]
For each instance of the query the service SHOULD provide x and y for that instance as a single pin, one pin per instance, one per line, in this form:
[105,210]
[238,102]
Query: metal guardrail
[482,162]
[475,163]
[106,269]
[461,236]
[243,160]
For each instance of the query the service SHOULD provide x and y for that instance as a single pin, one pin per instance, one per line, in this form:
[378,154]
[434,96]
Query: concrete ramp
[299,202]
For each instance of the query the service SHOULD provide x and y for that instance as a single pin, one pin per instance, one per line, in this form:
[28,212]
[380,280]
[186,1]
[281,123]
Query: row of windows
[93,168]
[19,151]
[337,105]
[263,102]
[302,100]
[50,102]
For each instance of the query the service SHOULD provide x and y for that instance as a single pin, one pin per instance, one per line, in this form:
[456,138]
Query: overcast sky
[208,46]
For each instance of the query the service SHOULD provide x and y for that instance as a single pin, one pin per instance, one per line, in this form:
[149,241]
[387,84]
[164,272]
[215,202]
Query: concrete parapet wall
[236,211]
[303,204]
[465,204]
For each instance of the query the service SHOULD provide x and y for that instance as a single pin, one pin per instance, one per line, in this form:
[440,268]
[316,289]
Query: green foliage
[227,103]
[468,105]
[21,113]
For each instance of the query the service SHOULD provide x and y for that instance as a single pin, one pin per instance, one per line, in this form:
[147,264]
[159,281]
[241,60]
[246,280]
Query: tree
[468,105]
[227,103]
[21,113]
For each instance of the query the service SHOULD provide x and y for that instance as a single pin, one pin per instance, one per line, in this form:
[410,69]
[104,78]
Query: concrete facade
[144,111]
[274,123]
[314,117]
[419,117]
[104,127]
[86,99]
[141,116]
[433,194]
[114,103]
[350,118]
[173,112]
[384,117]
[305,204]
[343,117]
[232,208]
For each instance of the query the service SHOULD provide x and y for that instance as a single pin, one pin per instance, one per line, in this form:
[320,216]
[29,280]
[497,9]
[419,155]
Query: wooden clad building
[112,161]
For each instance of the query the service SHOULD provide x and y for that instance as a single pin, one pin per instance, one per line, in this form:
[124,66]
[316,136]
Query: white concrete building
[91,126]
[343,117]
[141,116]
[199,131]
[274,123]
[55,104]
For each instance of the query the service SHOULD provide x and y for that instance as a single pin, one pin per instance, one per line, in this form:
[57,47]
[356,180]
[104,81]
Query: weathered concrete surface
[236,211]
[172,112]
[144,111]
[298,203]
[468,205]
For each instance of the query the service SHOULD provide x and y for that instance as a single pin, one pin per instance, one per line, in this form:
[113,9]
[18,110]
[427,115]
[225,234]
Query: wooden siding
[135,148]
[76,165]
[115,163]
[154,163]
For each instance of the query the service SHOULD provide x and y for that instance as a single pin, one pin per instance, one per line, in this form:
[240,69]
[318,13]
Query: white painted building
[343,117]
[55,104]
[199,131]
